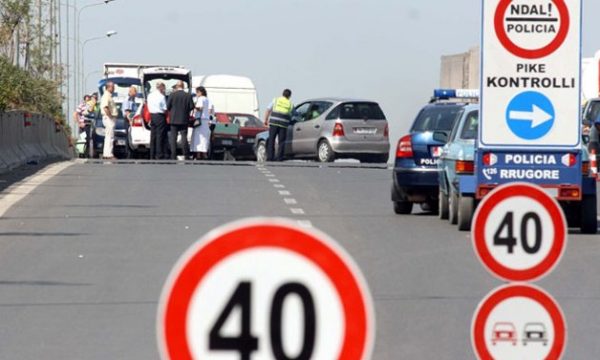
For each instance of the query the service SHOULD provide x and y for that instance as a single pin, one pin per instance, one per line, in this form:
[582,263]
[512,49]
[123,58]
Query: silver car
[331,128]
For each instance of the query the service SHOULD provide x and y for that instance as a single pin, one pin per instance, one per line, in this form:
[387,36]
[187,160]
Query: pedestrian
[85,126]
[130,106]
[278,118]
[180,107]
[157,106]
[201,133]
[595,136]
[109,119]
[93,108]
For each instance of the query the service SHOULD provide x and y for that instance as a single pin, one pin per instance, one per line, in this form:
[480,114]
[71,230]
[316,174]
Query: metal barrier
[26,137]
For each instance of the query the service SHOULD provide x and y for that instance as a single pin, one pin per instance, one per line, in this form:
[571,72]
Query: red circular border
[478,233]
[528,291]
[536,53]
[178,293]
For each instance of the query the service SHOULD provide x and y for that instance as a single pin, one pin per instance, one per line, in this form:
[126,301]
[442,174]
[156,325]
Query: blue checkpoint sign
[530,115]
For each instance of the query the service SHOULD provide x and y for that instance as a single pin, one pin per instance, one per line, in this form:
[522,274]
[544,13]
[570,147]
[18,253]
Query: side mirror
[440,136]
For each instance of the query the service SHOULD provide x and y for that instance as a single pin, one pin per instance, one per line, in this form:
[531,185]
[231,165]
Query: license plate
[227,142]
[365,131]
[436,151]
[250,141]
[121,142]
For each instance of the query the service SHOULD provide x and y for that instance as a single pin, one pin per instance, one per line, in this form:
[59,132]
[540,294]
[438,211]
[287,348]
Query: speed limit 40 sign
[519,232]
[265,289]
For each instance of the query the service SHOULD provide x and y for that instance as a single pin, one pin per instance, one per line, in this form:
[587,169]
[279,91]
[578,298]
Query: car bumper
[360,147]
[415,185]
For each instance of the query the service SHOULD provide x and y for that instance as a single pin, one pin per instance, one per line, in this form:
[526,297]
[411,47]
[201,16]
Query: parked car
[224,139]
[249,126]
[120,149]
[535,332]
[415,175]
[139,133]
[457,158]
[331,128]
[229,93]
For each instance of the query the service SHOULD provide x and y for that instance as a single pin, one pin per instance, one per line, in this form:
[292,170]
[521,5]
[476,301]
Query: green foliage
[21,90]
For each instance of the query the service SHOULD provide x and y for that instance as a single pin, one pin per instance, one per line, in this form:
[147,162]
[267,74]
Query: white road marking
[305,223]
[270,175]
[279,186]
[19,191]
[284,193]
[296,211]
[274,180]
[290,201]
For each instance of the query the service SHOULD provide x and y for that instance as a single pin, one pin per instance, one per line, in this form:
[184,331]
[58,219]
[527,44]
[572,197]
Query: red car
[249,126]
[504,332]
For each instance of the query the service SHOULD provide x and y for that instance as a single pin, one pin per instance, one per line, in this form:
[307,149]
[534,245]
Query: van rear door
[362,121]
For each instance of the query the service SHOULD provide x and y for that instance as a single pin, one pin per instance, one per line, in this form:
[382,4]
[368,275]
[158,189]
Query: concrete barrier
[28,137]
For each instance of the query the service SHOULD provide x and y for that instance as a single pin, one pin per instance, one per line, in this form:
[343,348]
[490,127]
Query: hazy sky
[384,50]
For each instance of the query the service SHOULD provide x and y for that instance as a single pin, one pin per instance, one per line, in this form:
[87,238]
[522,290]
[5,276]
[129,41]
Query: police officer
[278,118]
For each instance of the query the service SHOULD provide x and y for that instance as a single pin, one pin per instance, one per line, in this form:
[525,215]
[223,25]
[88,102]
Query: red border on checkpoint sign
[508,291]
[483,213]
[238,236]
[549,49]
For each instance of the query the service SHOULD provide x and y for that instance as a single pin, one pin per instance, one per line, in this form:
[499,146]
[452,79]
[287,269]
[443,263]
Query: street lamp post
[107,35]
[85,82]
[79,72]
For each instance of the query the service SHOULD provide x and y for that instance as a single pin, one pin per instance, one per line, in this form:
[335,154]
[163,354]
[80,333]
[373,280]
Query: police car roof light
[446,94]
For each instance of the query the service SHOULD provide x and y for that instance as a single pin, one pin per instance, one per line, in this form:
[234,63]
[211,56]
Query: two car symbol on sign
[532,332]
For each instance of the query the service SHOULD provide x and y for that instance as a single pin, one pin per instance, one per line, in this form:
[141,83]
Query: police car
[415,175]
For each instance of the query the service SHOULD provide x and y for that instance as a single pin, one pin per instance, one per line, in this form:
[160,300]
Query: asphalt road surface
[83,258]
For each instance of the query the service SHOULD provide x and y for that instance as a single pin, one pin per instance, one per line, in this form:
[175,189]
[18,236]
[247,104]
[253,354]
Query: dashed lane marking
[274,180]
[279,186]
[305,223]
[297,211]
[290,201]
[284,193]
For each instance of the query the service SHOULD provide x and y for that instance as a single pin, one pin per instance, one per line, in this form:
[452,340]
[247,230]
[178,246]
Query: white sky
[384,50]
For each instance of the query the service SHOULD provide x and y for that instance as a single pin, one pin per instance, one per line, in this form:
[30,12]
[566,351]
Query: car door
[309,130]
[295,134]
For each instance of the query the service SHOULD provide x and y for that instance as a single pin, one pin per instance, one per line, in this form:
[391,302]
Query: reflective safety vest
[281,114]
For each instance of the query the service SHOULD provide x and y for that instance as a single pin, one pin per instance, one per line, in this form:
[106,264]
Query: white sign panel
[530,74]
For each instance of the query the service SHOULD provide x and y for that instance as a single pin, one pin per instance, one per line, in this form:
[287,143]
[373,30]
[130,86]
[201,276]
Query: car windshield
[245,121]
[170,83]
[122,90]
[361,110]
[436,118]
[592,113]
[469,130]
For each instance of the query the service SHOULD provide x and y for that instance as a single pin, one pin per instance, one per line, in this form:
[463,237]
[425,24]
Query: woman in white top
[201,134]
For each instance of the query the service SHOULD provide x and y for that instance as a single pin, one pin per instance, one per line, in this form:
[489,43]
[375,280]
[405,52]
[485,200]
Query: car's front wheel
[261,152]
[325,152]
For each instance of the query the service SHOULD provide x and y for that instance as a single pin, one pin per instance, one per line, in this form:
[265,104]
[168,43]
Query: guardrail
[26,137]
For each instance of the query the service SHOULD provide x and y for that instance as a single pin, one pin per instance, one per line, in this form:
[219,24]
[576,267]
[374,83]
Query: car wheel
[589,220]
[325,152]
[453,208]
[443,206]
[466,206]
[90,150]
[403,207]
[261,152]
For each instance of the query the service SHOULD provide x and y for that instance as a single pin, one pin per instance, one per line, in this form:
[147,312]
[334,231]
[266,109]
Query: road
[83,258]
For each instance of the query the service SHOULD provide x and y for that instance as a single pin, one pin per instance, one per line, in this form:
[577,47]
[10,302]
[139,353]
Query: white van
[230,93]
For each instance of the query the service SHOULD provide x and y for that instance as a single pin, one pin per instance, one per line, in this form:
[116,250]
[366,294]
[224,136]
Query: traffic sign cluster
[519,234]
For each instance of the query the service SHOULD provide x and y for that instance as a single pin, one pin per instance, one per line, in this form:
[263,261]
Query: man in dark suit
[180,106]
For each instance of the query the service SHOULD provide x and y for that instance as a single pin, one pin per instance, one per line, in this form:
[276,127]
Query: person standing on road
[83,123]
[180,106]
[278,118]
[130,105]
[109,119]
[201,133]
[157,107]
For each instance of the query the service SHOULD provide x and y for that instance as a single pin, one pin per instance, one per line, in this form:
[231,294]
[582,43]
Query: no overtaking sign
[531,73]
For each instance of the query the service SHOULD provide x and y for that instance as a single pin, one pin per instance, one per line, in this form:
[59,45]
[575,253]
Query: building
[460,71]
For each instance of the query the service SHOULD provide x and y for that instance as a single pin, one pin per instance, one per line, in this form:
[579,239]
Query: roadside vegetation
[31,73]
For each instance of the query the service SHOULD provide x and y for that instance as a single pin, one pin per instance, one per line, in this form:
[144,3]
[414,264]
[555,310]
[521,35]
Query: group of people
[179,106]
